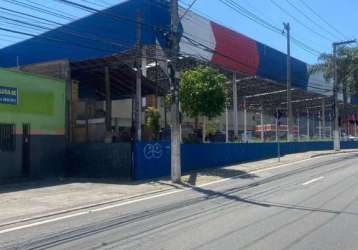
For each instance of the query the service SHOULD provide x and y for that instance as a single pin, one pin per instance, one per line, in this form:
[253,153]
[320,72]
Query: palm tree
[347,64]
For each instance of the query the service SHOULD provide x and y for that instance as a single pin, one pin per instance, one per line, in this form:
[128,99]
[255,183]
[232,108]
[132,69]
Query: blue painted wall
[152,159]
[273,65]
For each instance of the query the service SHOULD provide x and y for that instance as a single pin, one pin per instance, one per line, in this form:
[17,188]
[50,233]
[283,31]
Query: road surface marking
[42,222]
[150,197]
[312,181]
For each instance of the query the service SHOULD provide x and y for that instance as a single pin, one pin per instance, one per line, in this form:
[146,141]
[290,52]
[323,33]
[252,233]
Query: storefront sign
[8,95]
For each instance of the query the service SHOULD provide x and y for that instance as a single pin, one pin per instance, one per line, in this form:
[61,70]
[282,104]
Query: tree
[203,93]
[347,64]
[152,121]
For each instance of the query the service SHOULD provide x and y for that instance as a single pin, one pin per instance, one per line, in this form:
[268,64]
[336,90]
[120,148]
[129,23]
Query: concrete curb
[335,153]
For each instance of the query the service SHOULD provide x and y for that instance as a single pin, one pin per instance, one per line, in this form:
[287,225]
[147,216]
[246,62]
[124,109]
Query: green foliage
[167,101]
[212,127]
[347,65]
[152,120]
[203,92]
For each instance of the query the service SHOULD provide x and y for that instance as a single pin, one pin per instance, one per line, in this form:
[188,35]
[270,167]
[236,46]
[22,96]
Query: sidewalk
[46,198]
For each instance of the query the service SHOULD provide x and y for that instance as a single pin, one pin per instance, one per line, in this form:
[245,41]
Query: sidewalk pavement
[35,200]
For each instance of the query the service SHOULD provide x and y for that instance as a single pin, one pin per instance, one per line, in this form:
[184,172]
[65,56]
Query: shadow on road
[220,172]
[28,184]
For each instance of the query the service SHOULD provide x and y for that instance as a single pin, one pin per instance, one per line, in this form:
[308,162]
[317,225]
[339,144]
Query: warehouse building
[32,125]
[99,40]
[98,57]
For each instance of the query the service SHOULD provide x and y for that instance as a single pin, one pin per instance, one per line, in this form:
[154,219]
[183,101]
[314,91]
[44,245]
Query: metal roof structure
[91,75]
[108,38]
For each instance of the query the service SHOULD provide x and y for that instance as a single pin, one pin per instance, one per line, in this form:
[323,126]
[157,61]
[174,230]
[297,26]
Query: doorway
[26,149]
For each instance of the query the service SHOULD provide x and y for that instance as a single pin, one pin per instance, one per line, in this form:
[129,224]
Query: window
[7,137]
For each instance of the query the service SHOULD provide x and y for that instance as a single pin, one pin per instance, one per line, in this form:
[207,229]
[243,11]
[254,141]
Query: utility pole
[336,129]
[289,83]
[138,99]
[175,115]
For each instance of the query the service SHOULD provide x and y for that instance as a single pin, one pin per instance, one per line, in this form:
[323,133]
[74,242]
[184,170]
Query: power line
[17,22]
[248,14]
[39,9]
[310,19]
[104,12]
[119,17]
[192,40]
[277,30]
[321,18]
[300,22]
[50,8]
[300,44]
[32,19]
[94,3]
[28,25]
[188,9]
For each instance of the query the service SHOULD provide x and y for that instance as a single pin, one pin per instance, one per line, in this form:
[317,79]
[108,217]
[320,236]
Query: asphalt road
[310,205]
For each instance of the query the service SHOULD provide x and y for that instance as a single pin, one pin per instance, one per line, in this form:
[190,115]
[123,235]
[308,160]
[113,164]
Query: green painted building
[32,125]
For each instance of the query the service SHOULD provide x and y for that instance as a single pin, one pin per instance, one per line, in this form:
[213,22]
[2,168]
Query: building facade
[32,125]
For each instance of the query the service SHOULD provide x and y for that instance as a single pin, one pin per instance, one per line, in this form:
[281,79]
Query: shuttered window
[7,137]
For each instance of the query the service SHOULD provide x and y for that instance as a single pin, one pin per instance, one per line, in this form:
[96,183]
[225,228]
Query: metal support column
[108,101]
[262,125]
[298,127]
[226,125]
[245,120]
[235,104]
[320,125]
[308,124]
[323,117]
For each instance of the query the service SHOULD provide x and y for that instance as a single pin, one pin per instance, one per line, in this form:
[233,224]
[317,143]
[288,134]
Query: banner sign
[8,95]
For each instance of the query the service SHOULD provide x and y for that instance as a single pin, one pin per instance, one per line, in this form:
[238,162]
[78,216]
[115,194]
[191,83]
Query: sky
[305,26]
